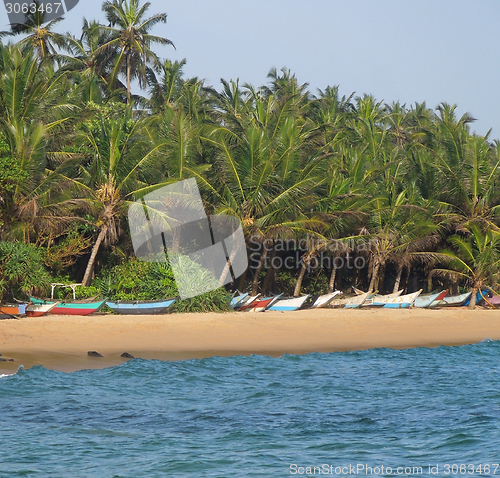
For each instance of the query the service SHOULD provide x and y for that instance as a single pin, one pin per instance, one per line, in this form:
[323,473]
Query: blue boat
[140,307]
[239,300]
[289,304]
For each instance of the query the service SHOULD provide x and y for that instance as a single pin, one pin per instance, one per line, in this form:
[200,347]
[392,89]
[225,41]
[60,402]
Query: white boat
[377,300]
[325,299]
[401,302]
[392,294]
[429,300]
[35,310]
[288,304]
[454,300]
[350,302]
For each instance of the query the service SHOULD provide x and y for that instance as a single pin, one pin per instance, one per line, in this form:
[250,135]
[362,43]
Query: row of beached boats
[256,303]
[395,300]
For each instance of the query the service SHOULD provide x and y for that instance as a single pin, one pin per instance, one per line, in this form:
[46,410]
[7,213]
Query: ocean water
[309,415]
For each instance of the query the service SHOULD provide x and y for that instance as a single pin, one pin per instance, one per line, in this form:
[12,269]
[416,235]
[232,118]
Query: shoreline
[61,342]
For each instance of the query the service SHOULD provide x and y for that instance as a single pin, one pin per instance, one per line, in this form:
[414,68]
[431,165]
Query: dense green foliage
[407,189]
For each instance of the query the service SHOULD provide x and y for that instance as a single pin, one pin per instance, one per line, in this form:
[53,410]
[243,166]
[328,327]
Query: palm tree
[119,166]
[267,176]
[130,39]
[475,258]
[39,34]
[33,109]
[88,65]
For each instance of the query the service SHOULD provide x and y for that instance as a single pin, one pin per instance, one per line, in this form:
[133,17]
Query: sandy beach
[62,342]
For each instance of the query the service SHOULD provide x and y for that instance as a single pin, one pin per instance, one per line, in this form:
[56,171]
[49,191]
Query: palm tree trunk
[376,267]
[255,283]
[398,278]
[93,254]
[429,283]
[225,271]
[331,284]
[270,272]
[298,285]
[128,79]
[472,303]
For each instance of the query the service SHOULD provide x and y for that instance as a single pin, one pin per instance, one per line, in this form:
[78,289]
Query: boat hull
[38,310]
[325,299]
[9,310]
[426,301]
[72,308]
[289,304]
[140,308]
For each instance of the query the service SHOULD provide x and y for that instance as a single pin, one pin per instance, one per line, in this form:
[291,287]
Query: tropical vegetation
[332,191]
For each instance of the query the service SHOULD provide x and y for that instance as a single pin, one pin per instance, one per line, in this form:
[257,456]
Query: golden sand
[62,342]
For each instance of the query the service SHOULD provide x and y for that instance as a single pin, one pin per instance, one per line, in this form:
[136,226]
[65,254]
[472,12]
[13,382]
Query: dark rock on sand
[93,353]
[6,360]
[127,355]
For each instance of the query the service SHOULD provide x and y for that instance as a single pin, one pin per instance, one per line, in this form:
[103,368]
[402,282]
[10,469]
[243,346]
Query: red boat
[261,304]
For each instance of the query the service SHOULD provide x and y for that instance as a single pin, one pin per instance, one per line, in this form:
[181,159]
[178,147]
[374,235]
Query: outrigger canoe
[71,308]
[38,310]
[140,307]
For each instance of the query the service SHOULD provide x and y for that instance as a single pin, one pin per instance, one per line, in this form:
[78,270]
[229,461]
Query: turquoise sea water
[258,416]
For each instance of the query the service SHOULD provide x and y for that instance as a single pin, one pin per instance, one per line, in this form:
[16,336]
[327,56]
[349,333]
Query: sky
[411,51]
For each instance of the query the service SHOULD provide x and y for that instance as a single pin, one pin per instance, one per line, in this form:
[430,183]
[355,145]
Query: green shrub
[135,280]
[22,270]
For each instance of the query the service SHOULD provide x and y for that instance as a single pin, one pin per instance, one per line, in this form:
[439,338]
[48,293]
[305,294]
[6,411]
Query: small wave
[6,374]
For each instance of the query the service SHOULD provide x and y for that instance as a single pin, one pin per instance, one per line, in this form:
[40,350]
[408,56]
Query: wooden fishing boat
[401,302]
[378,300]
[8,311]
[392,294]
[325,299]
[350,302]
[293,303]
[38,310]
[454,300]
[479,297]
[140,307]
[71,308]
[493,299]
[260,305]
[429,300]
[248,302]
[239,300]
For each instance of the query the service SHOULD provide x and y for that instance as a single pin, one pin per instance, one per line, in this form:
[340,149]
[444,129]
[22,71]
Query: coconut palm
[33,110]
[130,40]
[39,35]
[119,166]
[474,258]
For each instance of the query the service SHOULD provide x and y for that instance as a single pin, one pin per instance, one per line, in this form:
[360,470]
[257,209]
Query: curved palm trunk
[376,267]
[331,283]
[93,254]
[472,303]
[398,279]
[298,285]
[229,263]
